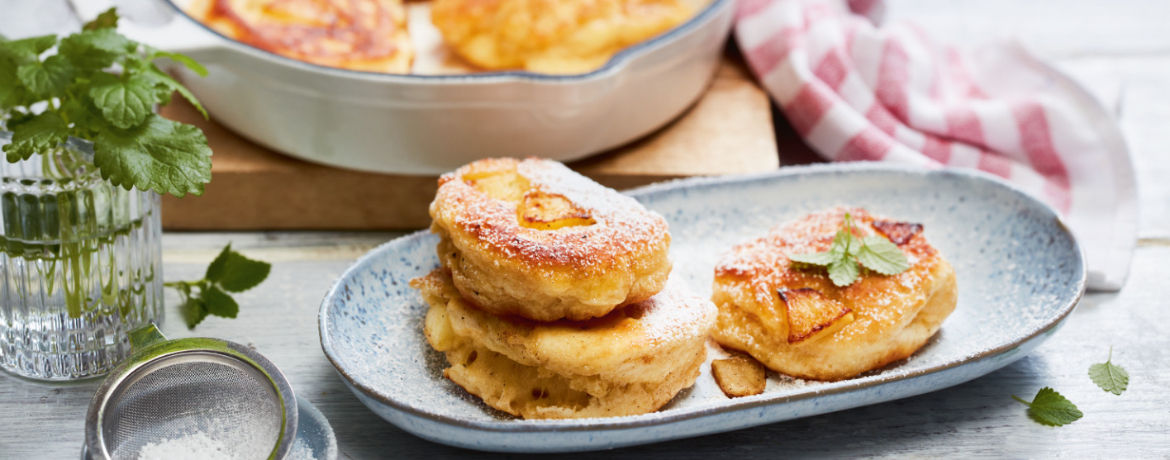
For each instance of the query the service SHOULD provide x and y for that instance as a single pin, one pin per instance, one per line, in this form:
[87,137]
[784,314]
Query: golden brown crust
[368,35]
[629,362]
[892,316]
[551,36]
[535,239]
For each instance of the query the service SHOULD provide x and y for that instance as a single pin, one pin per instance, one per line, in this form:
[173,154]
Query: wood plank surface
[977,419]
[728,131]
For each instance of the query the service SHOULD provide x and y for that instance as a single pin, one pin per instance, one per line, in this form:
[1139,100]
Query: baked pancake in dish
[796,321]
[369,35]
[631,361]
[551,36]
[535,239]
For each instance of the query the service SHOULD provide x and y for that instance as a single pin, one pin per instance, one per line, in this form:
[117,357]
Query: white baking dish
[429,124]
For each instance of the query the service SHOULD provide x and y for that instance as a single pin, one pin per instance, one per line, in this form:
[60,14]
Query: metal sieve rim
[162,350]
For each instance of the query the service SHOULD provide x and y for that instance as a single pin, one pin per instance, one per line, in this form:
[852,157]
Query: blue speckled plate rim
[735,405]
[611,67]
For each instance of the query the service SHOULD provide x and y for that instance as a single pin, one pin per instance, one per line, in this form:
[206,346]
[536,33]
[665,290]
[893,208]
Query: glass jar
[80,265]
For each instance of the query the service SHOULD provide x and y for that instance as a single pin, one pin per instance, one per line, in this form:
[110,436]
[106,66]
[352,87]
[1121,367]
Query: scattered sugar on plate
[301,451]
[194,446]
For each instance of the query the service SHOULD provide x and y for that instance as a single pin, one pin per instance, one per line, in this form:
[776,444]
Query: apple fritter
[629,362]
[552,36]
[369,35]
[535,239]
[796,321]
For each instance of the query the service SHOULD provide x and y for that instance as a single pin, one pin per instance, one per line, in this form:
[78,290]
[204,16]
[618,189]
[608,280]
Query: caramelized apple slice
[501,184]
[549,212]
[812,316]
[739,376]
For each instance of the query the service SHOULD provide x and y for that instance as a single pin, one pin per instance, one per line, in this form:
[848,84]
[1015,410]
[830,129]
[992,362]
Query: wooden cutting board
[729,131]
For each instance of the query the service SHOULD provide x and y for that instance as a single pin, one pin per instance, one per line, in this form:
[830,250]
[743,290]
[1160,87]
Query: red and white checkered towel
[854,91]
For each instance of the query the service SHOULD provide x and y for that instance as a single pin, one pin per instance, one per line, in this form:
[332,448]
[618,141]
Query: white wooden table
[1120,49]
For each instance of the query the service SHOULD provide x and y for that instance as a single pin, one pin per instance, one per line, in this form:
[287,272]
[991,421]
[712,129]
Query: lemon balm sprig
[102,87]
[873,252]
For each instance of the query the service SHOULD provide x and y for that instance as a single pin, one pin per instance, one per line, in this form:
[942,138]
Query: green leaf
[27,50]
[219,303]
[163,81]
[39,134]
[193,311]
[882,256]
[1050,408]
[159,155]
[9,83]
[96,49]
[215,270]
[125,103]
[236,273]
[152,54]
[816,258]
[48,78]
[844,271]
[106,20]
[844,243]
[1110,377]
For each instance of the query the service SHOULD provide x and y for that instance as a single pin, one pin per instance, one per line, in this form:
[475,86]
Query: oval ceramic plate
[1020,273]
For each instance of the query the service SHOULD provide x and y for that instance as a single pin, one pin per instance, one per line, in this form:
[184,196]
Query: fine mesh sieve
[191,398]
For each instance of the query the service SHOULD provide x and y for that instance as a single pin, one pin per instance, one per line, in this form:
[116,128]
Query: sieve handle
[145,336]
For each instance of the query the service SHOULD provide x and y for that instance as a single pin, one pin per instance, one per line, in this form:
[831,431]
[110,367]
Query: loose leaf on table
[1110,377]
[193,311]
[229,272]
[219,303]
[1050,408]
[160,155]
[39,133]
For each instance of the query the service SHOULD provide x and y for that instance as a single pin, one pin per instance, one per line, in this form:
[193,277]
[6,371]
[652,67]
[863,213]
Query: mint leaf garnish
[229,272]
[38,134]
[1050,408]
[882,256]
[1110,377]
[102,87]
[844,271]
[873,252]
[160,155]
[817,258]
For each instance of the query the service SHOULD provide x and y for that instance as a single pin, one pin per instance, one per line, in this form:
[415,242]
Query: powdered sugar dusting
[624,231]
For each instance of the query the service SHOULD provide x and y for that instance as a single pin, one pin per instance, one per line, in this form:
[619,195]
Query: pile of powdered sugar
[194,446]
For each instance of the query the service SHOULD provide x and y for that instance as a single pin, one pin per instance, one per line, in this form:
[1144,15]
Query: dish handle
[157,23]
